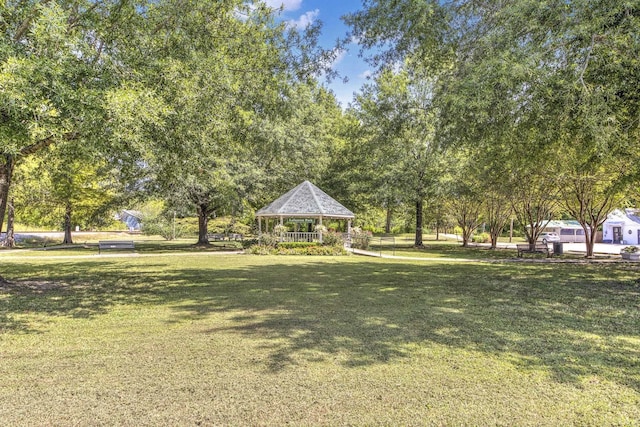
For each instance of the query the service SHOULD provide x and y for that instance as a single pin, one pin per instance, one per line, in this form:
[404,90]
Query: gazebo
[303,203]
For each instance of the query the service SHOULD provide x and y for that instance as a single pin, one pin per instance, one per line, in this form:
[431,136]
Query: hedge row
[313,249]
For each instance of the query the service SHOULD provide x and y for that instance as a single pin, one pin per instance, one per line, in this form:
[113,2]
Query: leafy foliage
[55,65]
[544,95]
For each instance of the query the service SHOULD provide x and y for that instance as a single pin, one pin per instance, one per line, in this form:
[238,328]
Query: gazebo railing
[300,236]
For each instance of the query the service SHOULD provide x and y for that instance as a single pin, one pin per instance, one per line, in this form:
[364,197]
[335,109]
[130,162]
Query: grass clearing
[250,340]
[437,249]
[143,245]
[402,245]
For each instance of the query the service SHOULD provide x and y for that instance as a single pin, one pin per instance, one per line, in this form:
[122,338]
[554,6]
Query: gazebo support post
[281,233]
[320,230]
[348,233]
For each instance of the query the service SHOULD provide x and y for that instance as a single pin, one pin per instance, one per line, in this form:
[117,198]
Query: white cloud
[339,56]
[366,74]
[355,39]
[285,4]
[333,59]
[305,20]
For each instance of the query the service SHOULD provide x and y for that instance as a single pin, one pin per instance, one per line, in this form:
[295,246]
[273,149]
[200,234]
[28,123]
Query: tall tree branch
[26,24]
[43,143]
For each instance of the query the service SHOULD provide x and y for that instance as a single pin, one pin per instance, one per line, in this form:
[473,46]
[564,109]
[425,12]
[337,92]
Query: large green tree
[66,187]
[303,141]
[54,66]
[399,120]
[210,79]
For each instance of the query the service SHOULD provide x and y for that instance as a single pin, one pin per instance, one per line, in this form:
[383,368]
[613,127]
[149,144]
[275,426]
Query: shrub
[481,238]
[311,250]
[228,225]
[332,239]
[360,239]
[261,250]
[268,239]
[279,229]
[163,227]
[249,242]
[298,250]
[293,245]
[629,250]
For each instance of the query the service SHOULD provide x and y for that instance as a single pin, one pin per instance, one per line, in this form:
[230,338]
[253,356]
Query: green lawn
[143,245]
[249,340]
[444,248]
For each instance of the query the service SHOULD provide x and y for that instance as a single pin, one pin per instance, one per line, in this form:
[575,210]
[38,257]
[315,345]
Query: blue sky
[301,12]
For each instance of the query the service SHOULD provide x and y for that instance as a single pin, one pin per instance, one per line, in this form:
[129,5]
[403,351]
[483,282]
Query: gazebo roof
[305,200]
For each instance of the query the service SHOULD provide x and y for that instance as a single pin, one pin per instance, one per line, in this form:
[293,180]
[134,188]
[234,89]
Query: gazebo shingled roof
[305,200]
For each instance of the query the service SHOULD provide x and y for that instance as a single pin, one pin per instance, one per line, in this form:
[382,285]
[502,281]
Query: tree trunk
[467,231]
[590,233]
[495,230]
[493,236]
[67,225]
[9,240]
[6,173]
[387,223]
[203,224]
[419,206]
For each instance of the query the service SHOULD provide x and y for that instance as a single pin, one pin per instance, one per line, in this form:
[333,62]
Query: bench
[523,248]
[115,244]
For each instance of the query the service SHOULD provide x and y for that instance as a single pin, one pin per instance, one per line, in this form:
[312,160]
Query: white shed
[622,227]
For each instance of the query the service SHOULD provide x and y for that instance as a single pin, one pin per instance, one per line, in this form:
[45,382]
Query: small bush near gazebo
[269,244]
[360,239]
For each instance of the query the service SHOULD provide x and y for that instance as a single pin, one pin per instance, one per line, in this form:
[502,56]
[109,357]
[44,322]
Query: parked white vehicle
[546,237]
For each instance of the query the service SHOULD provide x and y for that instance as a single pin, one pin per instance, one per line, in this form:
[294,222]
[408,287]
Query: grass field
[249,340]
[402,245]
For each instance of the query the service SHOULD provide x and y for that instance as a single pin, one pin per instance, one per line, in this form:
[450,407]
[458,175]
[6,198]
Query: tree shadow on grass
[572,321]
[79,290]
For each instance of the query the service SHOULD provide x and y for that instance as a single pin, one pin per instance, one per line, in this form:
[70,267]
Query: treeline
[211,107]
[491,110]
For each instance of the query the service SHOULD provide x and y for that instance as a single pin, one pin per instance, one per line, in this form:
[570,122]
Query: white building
[622,227]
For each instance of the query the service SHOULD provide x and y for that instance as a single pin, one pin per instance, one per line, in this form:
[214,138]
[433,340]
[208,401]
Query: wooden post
[320,230]
[511,231]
